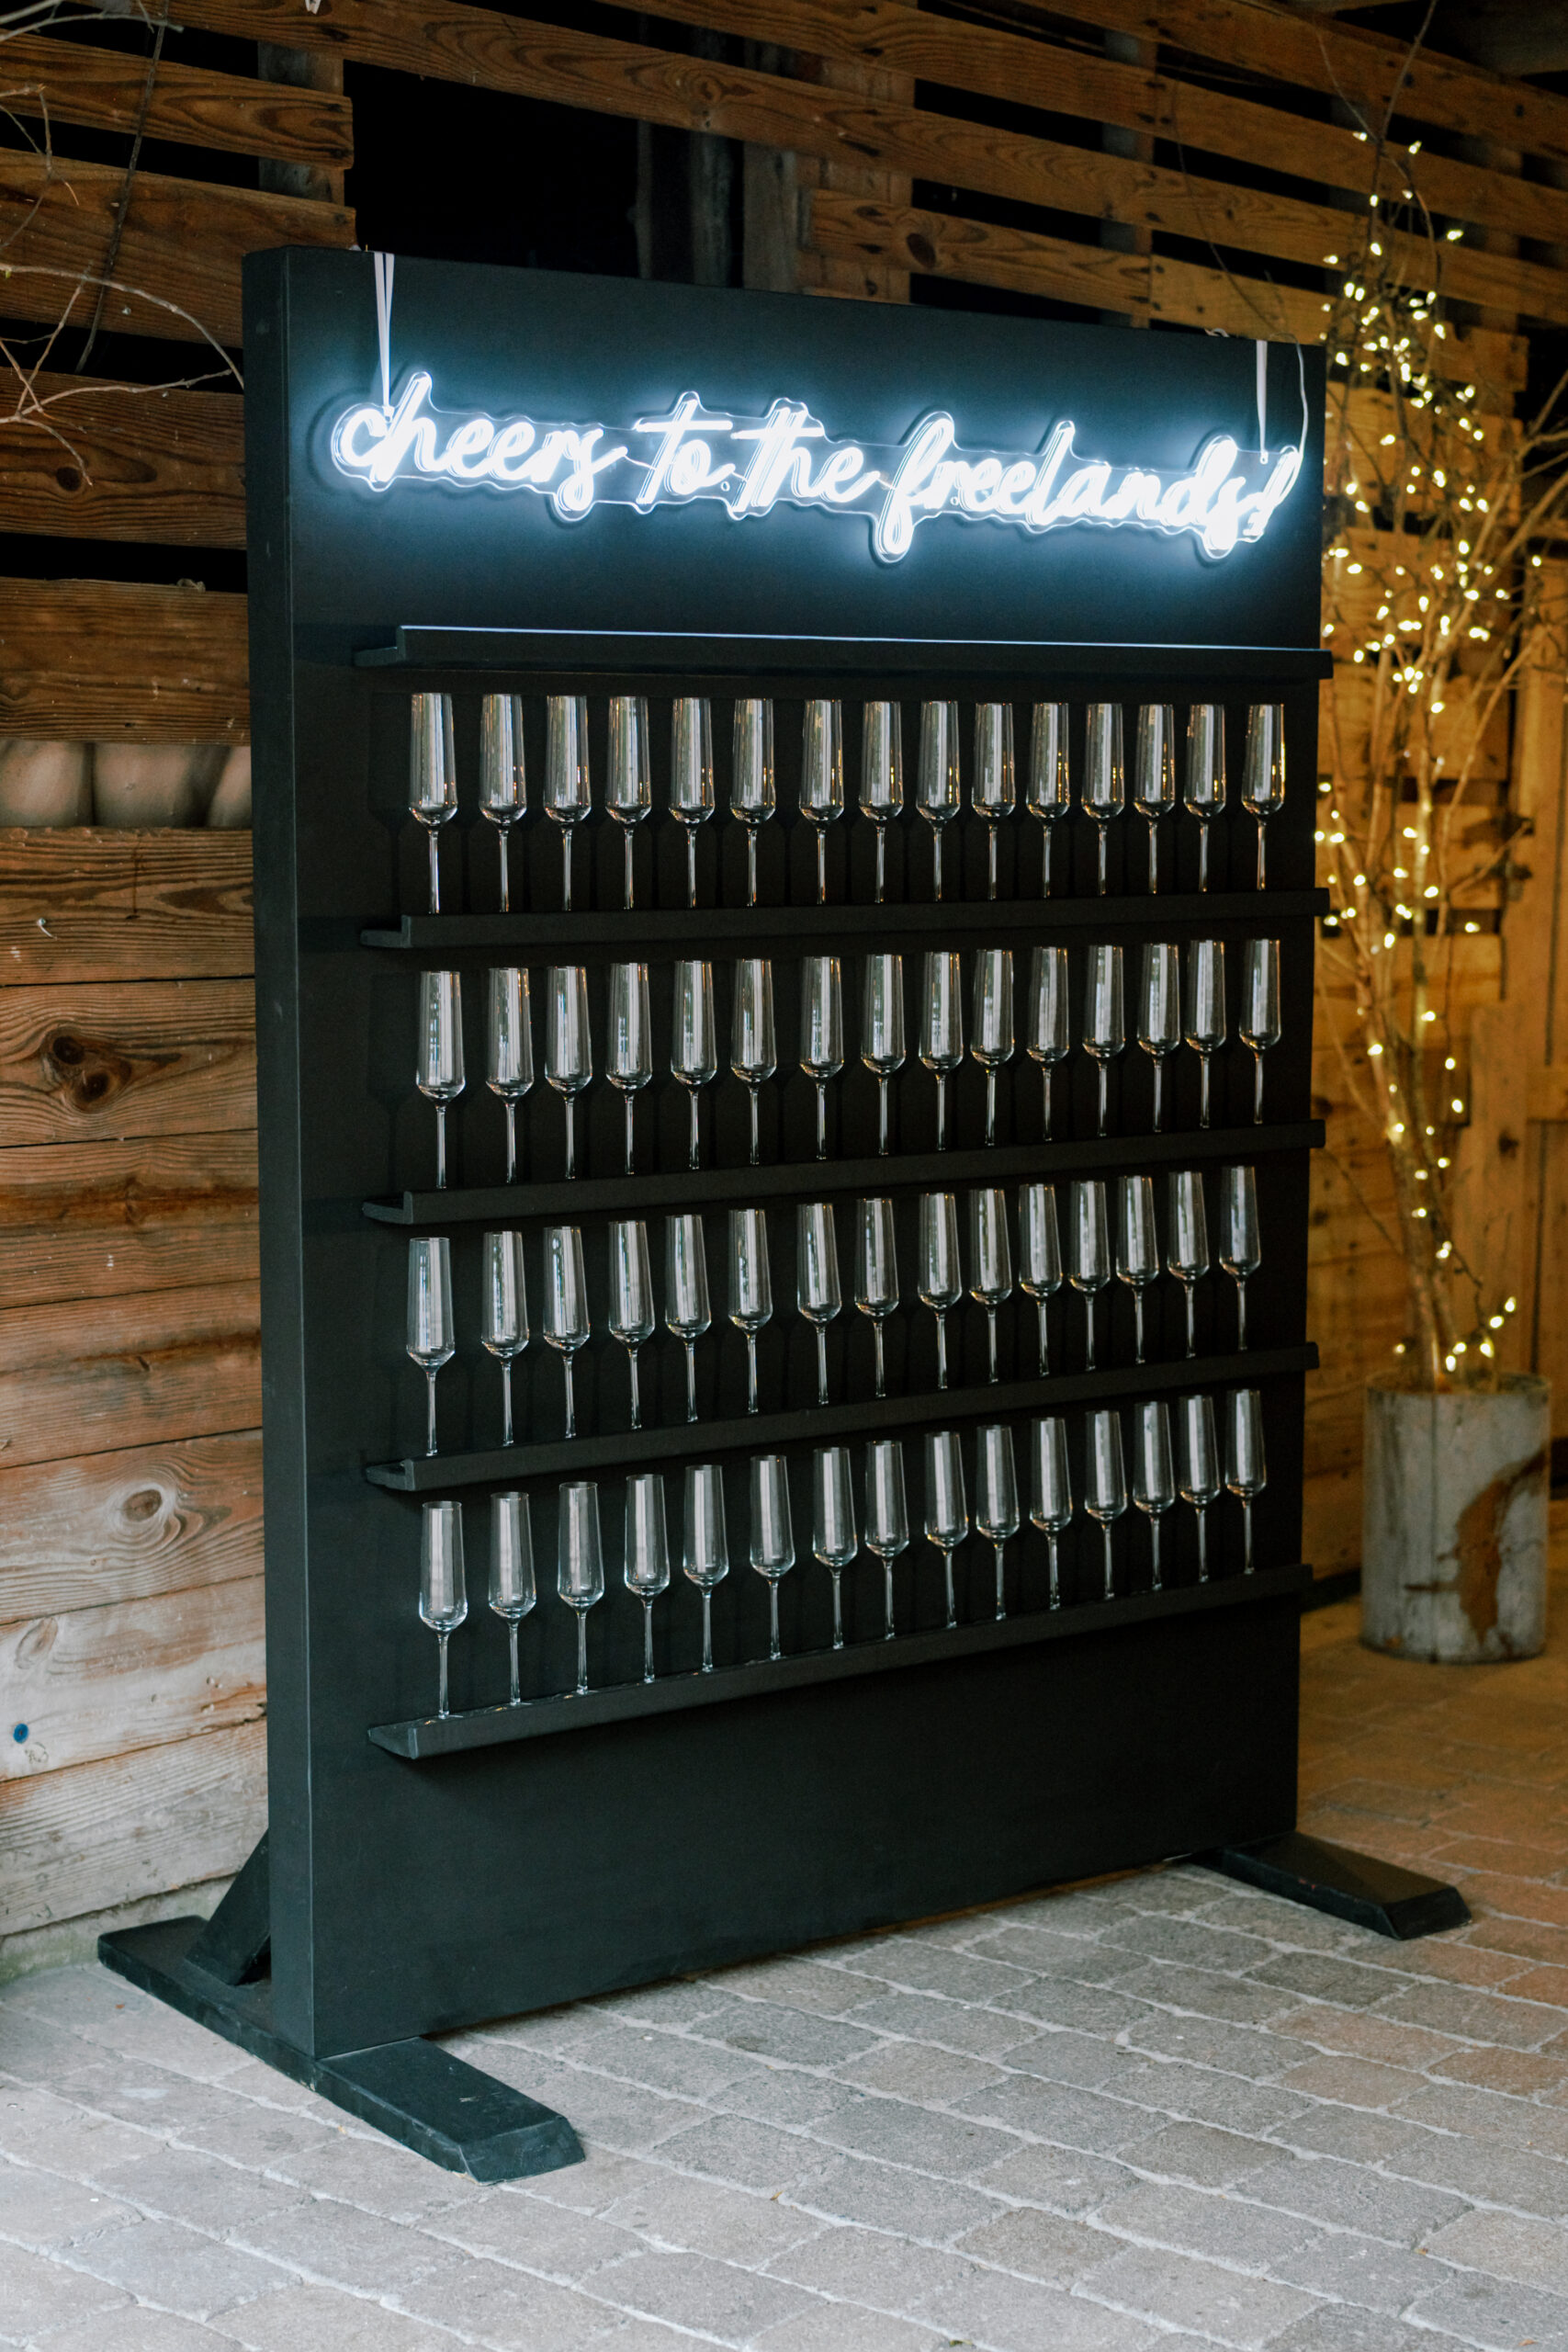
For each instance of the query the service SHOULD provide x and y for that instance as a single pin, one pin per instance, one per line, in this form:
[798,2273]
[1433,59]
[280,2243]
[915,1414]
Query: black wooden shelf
[429,1735]
[427,1474]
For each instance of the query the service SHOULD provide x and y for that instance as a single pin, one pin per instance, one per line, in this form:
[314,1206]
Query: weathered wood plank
[97,1220]
[104,89]
[164,1058]
[133,1826]
[89,904]
[112,658]
[124,461]
[91,1683]
[138,1371]
[127,1525]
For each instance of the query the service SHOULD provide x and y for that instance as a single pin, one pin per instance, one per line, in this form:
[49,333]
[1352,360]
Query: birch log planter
[1454,1521]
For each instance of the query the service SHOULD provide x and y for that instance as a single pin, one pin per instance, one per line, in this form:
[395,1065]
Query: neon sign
[751,463]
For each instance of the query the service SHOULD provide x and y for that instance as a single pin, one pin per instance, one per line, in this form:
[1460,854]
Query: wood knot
[146,1503]
[921,250]
[86,1070]
[68,477]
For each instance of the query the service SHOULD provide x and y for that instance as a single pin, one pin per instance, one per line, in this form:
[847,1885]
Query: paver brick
[899,2132]
[1210,2041]
[784,2094]
[837,2327]
[323,2319]
[883,2197]
[41,2295]
[1351,2196]
[165,2263]
[1040,2245]
[1199,2152]
[1324,1976]
[870,2266]
[1204,1992]
[671,2209]
[553,2240]
[181,2185]
[1494,2312]
[134,2327]
[1340,2328]
[507,2309]
[1478,2016]
[1066,2180]
[750,2155]
[1190,2220]
[1075,2119]
[1492,2175]
[41,2209]
[1199,2094]
[718,2298]
[341,2246]
[1025,2316]
[926,2016]
[1214,2302]
[1509,2245]
[918,2071]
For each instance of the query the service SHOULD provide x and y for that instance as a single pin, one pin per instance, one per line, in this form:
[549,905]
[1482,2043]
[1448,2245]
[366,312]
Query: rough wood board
[91,904]
[67,81]
[124,461]
[155,1366]
[153,1244]
[162,1058]
[111,659]
[108,1528]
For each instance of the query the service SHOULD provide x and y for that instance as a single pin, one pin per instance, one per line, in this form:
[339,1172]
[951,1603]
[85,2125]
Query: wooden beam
[90,904]
[122,461]
[100,1061]
[109,658]
[97,1220]
[106,90]
[144,1370]
[106,1528]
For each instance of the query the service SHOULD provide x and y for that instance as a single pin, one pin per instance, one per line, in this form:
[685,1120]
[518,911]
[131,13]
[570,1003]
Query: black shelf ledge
[440,1474]
[817,1179]
[429,1735]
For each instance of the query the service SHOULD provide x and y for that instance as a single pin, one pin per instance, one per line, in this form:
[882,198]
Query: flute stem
[1202,1543]
[441,1147]
[648,1637]
[690,865]
[951,1603]
[571,1395]
[1001,1551]
[881,1114]
[821,867]
[1045,1339]
[1256,1087]
[435,876]
[750,1372]
[691,1346]
[626,885]
[1101,830]
[1202,853]
[1138,1325]
[1154,1548]
[887,1572]
[707,1632]
[751,867]
[695,1141]
[442,1708]
[755,1138]
[774,1649]
[991,1339]
[1045,1068]
[990,1106]
[1159,1090]
[570,1136]
[631,1131]
[838,1610]
[505,875]
[821,1118]
[637,1398]
[941,1347]
[430,1372]
[881,861]
[1104,1071]
[881,1371]
[1090,1364]
[1055,1596]
[1203,1093]
[1262,868]
[582,1653]
[1246,1533]
[991,862]
[512,1633]
[821,1364]
[942,1111]
[1190,1291]
[512,1142]
[1241,1313]
[1110,1561]
[566,869]
[506,1436]
[1153,856]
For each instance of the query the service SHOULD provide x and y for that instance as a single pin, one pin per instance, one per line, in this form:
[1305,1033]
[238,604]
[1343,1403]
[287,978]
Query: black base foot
[414,2092]
[1379,1895]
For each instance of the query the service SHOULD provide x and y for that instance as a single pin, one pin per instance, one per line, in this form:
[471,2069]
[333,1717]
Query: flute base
[1380,1895]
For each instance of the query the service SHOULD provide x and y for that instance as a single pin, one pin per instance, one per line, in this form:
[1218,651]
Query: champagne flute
[509,1066]
[433,775]
[1200,1470]
[1159,1011]
[504,783]
[1104,774]
[1040,1256]
[753,789]
[505,1325]
[1246,1475]
[994,791]
[569,792]
[995,1505]
[1104,1021]
[881,776]
[990,1259]
[1205,1025]
[628,1055]
[693,1054]
[706,1559]
[754,1054]
[821,1032]
[686,1309]
[1241,1251]
[647,1569]
[631,1296]
[947,1509]
[580,1562]
[817,1258]
[1050,788]
[568,1045]
[566,1325]
[1187,1248]
[1105,1483]
[887,1510]
[443,1590]
[1153,774]
[833,1538]
[772,1536]
[1137,1248]
[511,1592]
[629,794]
[876,1274]
[942,1026]
[941,1280]
[1050,1017]
[440,1075]
[1259,1023]
[1263,770]
[1154,1475]
[1205,775]
[1052,1508]
[1089,1252]
[938,787]
[691,798]
[990,1030]
[822,778]
[882,1029]
[432,1336]
[751,1287]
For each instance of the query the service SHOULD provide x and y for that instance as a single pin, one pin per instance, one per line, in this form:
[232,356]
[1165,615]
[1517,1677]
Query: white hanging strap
[384,265]
[1262,397]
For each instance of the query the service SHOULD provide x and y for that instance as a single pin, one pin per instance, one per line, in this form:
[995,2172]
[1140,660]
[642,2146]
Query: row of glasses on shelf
[1162,1471]
[568,798]
[1110,1229]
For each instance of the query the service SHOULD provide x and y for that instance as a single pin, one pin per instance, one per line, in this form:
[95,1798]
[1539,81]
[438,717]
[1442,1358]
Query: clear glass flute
[1088,1251]
[876,1274]
[646,1568]
[833,1538]
[991,1029]
[580,1562]
[1154,1472]
[990,1260]
[1186,1241]
[1105,1483]
[1050,1037]
[772,1536]
[433,775]
[508,1068]
[1137,1248]
[942,1278]
[567,1327]
[1153,774]
[881,776]
[1050,786]
[751,1287]
[686,1308]
[995,789]
[511,1587]
[628,791]
[504,783]
[1200,1469]
[942,1026]
[1263,770]
[442,1589]
[887,1510]
[817,1262]
[1052,1508]
[1104,1020]
[753,787]
[694,1050]
[1259,1023]
[504,1329]
[705,1558]
[1205,1009]
[821,1032]
[1159,1012]
[996,1501]
[568,791]
[1246,1474]
[1039,1256]
[1205,793]
[628,1046]
[568,1045]
[822,778]
[947,1508]
[882,1029]
[631,1296]
[440,1077]
[1104,790]
[692,791]
[1241,1251]
[431,1334]
[938,791]
[754,1050]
